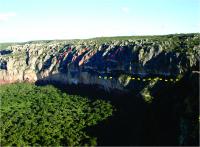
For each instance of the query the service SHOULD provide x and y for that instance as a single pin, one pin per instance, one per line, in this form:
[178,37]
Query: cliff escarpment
[162,71]
[108,62]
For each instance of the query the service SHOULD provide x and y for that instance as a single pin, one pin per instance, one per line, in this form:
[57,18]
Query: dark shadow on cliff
[175,109]
[135,122]
[5,52]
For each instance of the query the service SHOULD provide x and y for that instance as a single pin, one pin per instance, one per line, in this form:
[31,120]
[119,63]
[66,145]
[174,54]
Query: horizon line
[96,37]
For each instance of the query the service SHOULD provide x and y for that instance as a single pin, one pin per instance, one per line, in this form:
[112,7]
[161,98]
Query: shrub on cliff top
[43,116]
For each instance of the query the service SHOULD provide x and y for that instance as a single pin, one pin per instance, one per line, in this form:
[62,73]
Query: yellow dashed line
[139,79]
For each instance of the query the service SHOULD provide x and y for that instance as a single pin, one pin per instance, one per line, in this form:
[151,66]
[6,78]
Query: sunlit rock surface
[100,61]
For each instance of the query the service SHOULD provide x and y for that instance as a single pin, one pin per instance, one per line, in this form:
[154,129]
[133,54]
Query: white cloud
[125,9]
[6,16]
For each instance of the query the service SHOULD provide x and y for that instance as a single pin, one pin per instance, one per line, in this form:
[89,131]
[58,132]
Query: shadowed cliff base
[165,121]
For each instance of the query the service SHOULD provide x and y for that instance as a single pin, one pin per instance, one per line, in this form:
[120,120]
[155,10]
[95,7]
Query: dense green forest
[43,115]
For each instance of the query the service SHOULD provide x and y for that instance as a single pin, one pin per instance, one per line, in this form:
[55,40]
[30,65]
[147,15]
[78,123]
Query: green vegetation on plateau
[33,115]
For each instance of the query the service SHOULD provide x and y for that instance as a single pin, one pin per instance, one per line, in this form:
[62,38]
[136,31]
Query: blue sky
[24,20]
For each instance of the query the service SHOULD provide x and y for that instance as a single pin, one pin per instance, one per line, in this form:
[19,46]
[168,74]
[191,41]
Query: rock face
[100,61]
[162,69]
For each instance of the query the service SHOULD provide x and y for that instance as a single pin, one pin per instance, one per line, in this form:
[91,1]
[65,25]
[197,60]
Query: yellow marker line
[147,79]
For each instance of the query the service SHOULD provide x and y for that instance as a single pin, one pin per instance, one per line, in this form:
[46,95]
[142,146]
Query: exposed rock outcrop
[83,61]
[150,67]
